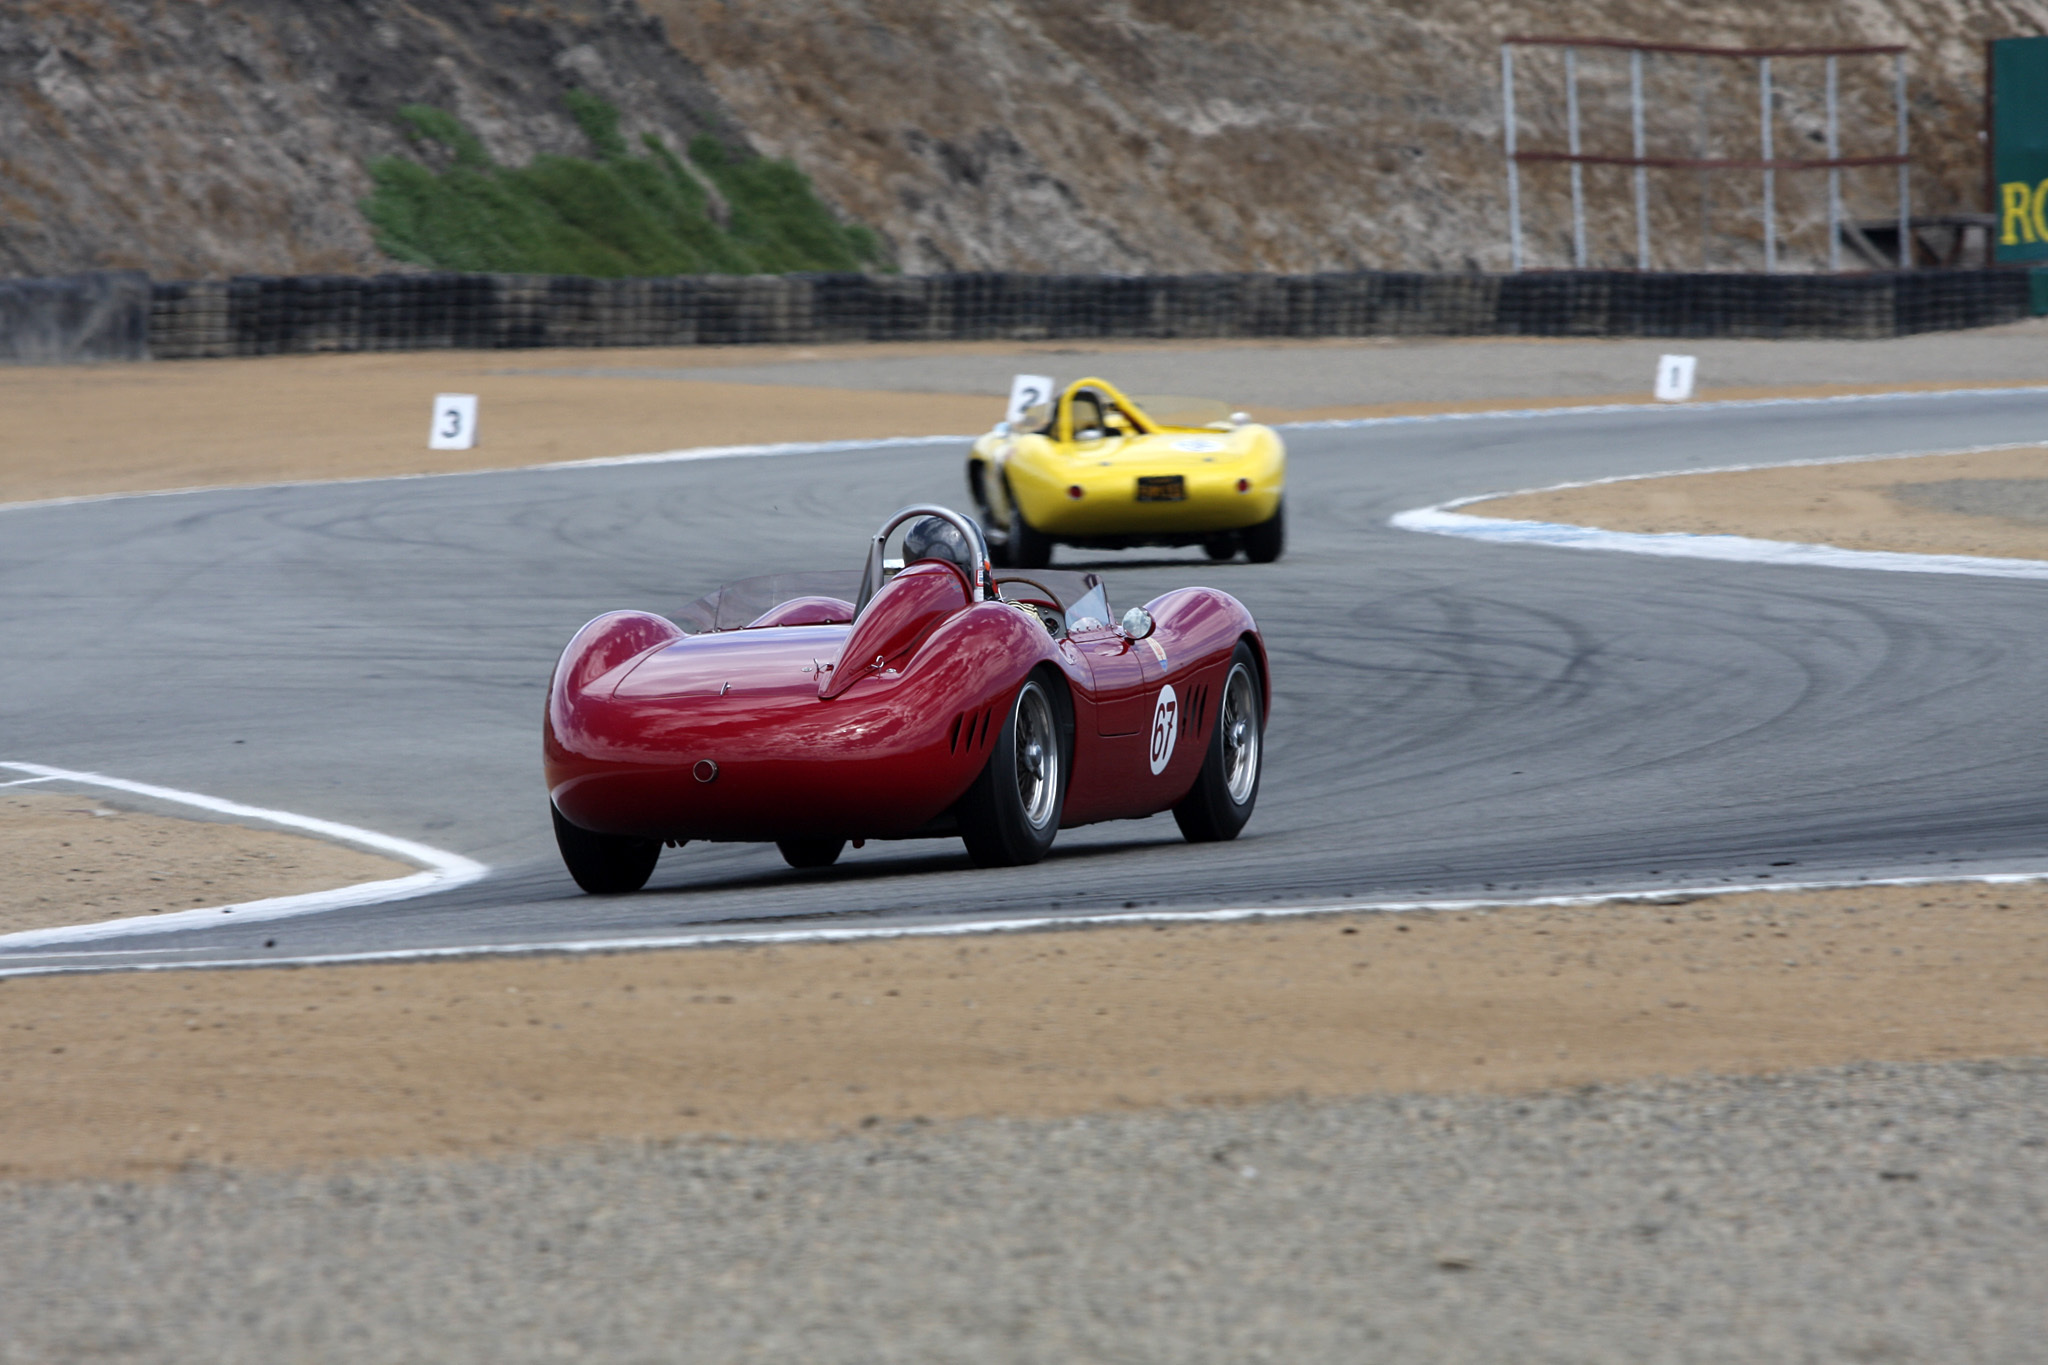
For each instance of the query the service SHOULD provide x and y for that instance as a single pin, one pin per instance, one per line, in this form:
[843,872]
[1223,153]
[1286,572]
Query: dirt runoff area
[80,431]
[137,1073]
[91,430]
[1991,503]
[75,859]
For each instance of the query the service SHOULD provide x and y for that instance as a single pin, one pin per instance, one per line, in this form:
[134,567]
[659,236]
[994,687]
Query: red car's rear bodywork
[806,724]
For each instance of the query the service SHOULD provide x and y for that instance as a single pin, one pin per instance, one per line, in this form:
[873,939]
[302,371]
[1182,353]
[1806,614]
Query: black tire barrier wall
[105,315]
[277,315]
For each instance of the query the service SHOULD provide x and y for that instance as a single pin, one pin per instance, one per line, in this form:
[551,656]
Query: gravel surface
[1380,370]
[1874,1213]
[2014,499]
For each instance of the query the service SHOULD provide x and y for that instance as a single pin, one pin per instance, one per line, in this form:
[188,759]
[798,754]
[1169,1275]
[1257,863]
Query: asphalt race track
[1450,718]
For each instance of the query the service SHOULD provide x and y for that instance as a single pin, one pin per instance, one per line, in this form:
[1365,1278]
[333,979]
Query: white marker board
[454,422]
[1674,377]
[1027,391]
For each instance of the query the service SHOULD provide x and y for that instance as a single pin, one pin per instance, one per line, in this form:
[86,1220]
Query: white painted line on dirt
[26,781]
[1026,924]
[749,452]
[599,462]
[1443,520]
[1650,406]
[444,870]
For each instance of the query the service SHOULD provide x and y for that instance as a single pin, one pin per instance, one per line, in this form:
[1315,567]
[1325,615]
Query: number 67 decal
[1165,728]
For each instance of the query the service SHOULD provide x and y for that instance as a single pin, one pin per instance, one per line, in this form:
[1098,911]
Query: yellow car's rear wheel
[1029,547]
[1264,542]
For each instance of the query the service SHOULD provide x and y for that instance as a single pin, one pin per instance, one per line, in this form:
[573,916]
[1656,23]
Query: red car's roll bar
[984,585]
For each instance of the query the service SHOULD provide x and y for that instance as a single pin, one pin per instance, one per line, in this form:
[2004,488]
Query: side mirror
[1137,623]
[1238,419]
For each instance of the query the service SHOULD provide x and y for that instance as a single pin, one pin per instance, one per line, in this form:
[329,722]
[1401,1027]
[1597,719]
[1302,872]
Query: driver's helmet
[937,538]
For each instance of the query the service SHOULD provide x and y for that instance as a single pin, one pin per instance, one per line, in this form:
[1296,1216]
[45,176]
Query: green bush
[611,214]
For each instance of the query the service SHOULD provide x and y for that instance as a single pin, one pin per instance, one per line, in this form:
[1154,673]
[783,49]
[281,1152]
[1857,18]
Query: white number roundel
[1165,726]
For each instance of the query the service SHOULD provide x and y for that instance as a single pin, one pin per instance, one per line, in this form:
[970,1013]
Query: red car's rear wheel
[809,853]
[604,864]
[1012,812]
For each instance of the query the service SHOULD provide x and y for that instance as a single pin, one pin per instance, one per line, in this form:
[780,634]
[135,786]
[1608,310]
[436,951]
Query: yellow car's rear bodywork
[1097,469]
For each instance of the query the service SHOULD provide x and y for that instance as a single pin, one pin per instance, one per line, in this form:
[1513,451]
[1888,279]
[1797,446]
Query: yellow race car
[1099,470]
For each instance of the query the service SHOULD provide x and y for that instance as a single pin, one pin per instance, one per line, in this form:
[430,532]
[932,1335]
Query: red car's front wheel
[1011,813]
[1228,786]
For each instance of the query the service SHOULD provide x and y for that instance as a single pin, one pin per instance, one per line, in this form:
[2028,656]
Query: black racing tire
[604,864]
[998,545]
[1029,547]
[1224,793]
[1220,547]
[810,853]
[1011,814]
[1264,542]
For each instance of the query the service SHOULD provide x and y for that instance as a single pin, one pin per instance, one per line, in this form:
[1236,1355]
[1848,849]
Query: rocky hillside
[1304,134]
[206,139]
[1070,135]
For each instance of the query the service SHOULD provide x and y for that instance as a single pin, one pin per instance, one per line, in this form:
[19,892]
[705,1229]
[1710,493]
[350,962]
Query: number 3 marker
[1165,728]
[454,422]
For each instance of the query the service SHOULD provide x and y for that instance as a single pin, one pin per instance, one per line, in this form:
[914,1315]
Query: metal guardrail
[122,316]
[269,316]
[73,318]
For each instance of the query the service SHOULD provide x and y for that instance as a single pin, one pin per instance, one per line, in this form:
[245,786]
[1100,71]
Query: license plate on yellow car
[1163,488]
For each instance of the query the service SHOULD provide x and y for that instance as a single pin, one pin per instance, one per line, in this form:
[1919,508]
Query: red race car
[920,698]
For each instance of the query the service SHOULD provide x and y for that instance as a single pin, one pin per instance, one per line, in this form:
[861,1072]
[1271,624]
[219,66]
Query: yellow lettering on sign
[2020,208]
[2041,212]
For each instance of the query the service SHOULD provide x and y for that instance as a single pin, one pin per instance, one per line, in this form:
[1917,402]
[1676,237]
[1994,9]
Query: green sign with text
[2019,147]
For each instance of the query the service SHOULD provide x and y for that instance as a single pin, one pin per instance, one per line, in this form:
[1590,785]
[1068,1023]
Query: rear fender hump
[608,645]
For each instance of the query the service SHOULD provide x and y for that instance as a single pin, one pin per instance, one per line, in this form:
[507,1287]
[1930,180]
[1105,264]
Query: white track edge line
[1653,405]
[1028,924]
[597,462]
[443,870]
[742,452]
[735,452]
[1441,519]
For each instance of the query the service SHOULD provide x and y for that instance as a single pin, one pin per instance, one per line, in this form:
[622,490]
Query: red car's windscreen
[735,605]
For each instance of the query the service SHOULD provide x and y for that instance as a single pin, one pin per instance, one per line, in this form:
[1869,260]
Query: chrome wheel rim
[1038,756]
[1240,722]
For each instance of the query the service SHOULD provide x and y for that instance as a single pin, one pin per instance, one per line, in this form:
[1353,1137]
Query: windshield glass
[1170,410]
[1080,597]
[732,605]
